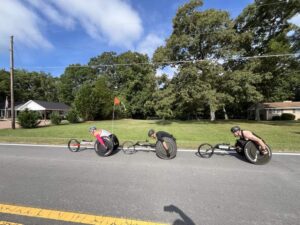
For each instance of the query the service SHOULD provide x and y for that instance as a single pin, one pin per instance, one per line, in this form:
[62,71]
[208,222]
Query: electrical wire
[162,62]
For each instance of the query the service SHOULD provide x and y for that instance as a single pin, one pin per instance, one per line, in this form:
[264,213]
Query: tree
[163,99]
[129,75]
[4,85]
[241,87]
[94,100]
[34,85]
[72,80]
[199,37]
[267,23]
[265,20]
[105,64]
[85,102]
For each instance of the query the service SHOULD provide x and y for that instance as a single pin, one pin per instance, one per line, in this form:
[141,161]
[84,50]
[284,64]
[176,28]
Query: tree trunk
[257,116]
[225,113]
[212,113]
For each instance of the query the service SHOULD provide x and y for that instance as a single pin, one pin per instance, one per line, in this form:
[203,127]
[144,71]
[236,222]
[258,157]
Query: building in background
[268,110]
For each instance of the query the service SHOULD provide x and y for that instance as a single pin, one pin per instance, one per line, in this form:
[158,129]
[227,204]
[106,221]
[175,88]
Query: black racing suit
[161,134]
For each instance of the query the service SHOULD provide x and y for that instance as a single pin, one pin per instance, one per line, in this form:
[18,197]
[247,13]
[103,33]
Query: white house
[269,109]
[45,108]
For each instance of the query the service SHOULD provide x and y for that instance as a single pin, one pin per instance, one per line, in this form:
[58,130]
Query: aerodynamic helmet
[235,129]
[93,128]
[150,132]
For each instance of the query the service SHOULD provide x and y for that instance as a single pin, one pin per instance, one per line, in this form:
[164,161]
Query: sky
[49,35]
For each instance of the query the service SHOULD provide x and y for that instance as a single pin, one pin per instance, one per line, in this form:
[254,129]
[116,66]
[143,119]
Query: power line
[162,62]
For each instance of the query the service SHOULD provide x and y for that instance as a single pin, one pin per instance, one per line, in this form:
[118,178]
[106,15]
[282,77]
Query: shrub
[287,116]
[28,119]
[55,118]
[72,116]
[276,118]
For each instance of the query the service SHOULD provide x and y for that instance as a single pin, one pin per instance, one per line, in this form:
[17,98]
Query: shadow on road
[184,220]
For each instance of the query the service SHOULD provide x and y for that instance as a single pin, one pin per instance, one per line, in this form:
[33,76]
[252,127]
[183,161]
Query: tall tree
[265,20]
[129,75]
[72,79]
[163,99]
[267,23]
[4,85]
[35,86]
[94,100]
[199,36]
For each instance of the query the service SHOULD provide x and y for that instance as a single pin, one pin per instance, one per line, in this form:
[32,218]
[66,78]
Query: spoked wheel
[161,151]
[254,156]
[104,150]
[74,145]
[206,150]
[128,147]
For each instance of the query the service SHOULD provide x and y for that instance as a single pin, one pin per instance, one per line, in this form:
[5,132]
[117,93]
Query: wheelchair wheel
[206,150]
[74,145]
[128,147]
[104,150]
[172,149]
[115,141]
[254,156]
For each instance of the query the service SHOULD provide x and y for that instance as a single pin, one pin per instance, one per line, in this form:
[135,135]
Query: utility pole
[12,100]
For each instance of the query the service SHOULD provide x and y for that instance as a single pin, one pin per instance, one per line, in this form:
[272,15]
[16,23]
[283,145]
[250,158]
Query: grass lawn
[280,135]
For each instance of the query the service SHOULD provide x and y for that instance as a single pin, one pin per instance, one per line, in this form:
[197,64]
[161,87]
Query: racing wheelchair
[130,147]
[111,143]
[250,150]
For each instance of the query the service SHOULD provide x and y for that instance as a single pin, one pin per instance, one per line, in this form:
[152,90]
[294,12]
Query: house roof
[52,105]
[277,105]
[42,105]
[287,104]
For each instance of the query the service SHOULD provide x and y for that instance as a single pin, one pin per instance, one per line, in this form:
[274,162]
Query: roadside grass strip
[9,223]
[69,216]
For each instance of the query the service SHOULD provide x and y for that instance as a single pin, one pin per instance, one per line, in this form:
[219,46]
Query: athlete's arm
[249,135]
[165,145]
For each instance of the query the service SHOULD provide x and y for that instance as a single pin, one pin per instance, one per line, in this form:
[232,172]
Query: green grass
[280,135]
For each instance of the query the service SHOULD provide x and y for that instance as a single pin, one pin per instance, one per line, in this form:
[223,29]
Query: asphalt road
[186,190]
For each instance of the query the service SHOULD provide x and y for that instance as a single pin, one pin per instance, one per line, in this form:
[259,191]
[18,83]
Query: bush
[276,118]
[28,119]
[55,118]
[287,116]
[72,116]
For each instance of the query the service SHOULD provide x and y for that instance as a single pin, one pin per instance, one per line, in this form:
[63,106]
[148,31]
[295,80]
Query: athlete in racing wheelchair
[244,136]
[252,146]
[166,147]
[106,142]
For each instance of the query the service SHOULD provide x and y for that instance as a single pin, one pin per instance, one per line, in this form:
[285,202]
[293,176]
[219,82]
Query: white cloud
[113,20]
[53,14]
[149,44]
[19,21]
[295,19]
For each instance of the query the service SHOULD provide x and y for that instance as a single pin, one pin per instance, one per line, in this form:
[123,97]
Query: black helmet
[235,129]
[150,132]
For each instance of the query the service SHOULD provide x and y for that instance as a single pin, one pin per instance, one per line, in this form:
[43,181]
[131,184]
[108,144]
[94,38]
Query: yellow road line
[69,216]
[9,223]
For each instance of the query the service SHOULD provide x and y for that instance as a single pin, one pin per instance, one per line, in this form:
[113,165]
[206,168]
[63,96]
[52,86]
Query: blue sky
[49,35]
